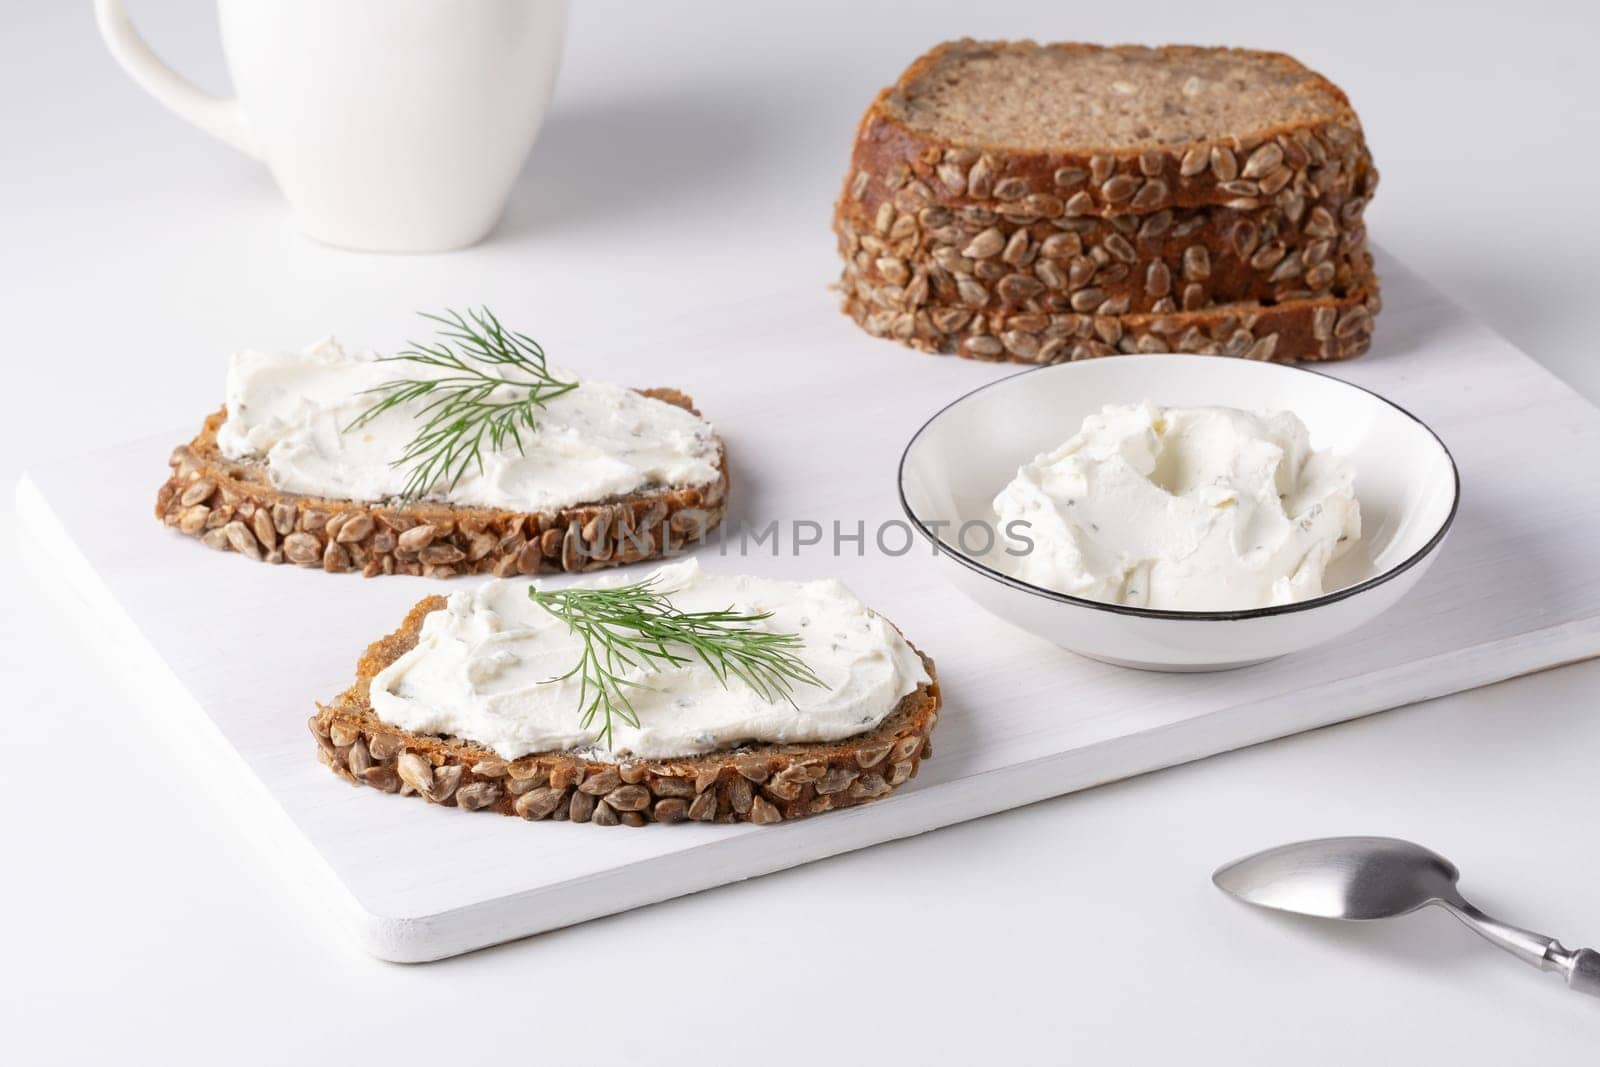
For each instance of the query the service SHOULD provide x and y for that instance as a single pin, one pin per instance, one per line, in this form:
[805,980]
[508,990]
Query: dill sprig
[495,380]
[635,626]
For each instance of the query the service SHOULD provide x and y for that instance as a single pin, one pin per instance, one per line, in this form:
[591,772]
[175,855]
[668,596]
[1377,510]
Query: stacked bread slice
[1048,202]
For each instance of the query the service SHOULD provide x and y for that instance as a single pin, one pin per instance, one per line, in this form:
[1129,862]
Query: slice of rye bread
[758,783]
[1182,259]
[1076,178]
[232,506]
[1094,130]
[1322,327]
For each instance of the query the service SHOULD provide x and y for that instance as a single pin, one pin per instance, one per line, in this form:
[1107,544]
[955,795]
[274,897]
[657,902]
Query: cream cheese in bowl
[1182,509]
[1188,506]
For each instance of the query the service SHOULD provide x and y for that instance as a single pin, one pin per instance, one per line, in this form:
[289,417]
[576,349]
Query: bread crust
[1312,329]
[943,242]
[1173,260]
[231,506]
[761,783]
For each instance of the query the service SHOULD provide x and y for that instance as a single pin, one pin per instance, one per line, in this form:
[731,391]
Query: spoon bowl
[1343,878]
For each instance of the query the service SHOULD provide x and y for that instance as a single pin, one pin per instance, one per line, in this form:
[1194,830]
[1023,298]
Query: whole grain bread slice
[1090,129]
[759,784]
[1312,328]
[1001,181]
[231,506]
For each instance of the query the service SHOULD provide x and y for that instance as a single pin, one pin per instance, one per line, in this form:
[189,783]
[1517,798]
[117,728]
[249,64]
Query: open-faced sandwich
[470,454]
[687,695]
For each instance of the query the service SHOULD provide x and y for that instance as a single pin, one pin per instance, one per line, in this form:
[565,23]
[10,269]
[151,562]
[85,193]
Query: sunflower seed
[1263,160]
[1018,288]
[982,347]
[1275,181]
[1119,188]
[1268,255]
[980,180]
[539,803]
[1061,245]
[1193,162]
[601,782]
[445,780]
[893,270]
[1087,299]
[415,771]
[1245,235]
[988,243]
[1017,250]
[241,539]
[704,808]
[972,294]
[1223,164]
[628,798]
[1018,343]
[763,813]
[382,776]
[477,796]
[740,795]
[1120,247]
[1196,263]
[1152,194]
[1010,189]
[868,787]
[1157,279]
[1079,203]
[1101,167]
[1155,225]
[354,528]
[193,519]
[197,492]
[1050,274]
[335,559]
[1289,267]
[1355,321]
[1066,177]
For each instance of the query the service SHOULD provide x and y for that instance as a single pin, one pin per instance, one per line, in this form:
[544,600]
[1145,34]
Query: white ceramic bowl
[1405,479]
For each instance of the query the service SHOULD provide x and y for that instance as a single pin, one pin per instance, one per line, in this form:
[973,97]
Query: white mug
[390,125]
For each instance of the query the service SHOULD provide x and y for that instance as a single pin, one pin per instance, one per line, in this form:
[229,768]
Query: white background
[691,160]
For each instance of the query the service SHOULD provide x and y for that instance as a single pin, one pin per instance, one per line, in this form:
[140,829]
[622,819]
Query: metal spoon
[1380,878]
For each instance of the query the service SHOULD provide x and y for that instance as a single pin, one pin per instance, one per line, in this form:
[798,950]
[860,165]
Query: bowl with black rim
[1406,483]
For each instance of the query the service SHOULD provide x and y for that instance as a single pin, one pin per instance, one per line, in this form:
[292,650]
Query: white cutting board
[229,655]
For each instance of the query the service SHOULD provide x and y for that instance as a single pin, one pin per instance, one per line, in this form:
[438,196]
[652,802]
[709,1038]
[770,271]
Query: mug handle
[221,117]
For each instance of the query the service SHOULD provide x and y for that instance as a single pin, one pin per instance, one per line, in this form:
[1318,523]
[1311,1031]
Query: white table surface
[691,158]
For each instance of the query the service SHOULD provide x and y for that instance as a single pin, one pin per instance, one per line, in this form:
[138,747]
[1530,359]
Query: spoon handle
[1580,967]
[1585,973]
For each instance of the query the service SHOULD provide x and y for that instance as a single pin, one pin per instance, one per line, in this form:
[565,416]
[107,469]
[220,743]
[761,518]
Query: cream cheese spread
[483,665]
[597,441]
[1185,509]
